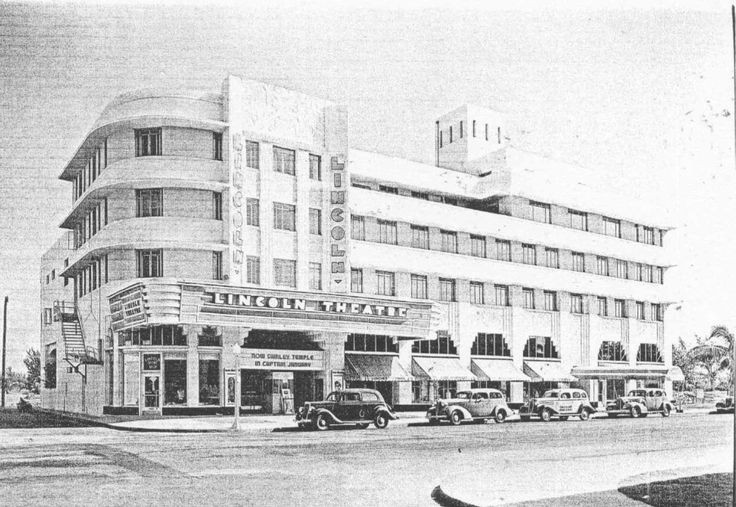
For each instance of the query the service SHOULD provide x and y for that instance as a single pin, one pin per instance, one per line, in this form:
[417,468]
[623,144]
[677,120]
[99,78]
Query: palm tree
[716,353]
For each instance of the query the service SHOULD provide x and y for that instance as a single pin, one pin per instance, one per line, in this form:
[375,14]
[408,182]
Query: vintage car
[725,406]
[560,403]
[477,405]
[358,407]
[640,403]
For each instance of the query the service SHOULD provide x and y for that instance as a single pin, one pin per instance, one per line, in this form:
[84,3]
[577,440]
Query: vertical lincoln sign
[237,206]
[338,224]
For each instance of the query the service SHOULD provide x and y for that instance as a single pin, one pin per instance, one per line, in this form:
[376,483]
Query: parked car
[358,407]
[726,406]
[477,405]
[560,403]
[640,403]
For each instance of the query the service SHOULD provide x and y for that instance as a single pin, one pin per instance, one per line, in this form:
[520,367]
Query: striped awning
[622,372]
[374,368]
[497,370]
[440,368]
[547,371]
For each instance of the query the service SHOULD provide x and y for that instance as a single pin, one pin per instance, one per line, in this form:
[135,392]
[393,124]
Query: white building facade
[204,221]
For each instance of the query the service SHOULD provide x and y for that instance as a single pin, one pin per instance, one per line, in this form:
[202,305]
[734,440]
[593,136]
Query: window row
[420,238]
[95,164]
[450,136]
[284,160]
[90,224]
[442,345]
[284,216]
[92,277]
[371,343]
[149,202]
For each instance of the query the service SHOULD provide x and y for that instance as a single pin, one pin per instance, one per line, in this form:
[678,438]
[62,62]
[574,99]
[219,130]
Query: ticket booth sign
[274,359]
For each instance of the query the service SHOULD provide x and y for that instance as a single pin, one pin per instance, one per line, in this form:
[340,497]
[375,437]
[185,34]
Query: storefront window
[442,345]
[209,382]
[175,381]
[370,343]
[541,347]
[153,336]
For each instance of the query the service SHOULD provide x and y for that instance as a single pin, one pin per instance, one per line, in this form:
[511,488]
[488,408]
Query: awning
[497,370]
[374,368]
[547,371]
[675,374]
[440,368]
[604,372]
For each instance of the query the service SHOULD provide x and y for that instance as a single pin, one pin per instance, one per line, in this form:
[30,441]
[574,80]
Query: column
[192,366]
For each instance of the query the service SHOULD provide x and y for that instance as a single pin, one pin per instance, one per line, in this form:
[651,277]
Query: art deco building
[238,234]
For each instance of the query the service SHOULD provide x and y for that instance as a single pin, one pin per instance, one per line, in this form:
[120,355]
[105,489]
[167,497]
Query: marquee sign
[273,359]
[291,304]
[127,308]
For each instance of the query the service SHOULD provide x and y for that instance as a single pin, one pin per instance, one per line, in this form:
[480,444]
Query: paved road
[397,466]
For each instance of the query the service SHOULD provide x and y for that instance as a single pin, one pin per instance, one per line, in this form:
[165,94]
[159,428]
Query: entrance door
[152,393]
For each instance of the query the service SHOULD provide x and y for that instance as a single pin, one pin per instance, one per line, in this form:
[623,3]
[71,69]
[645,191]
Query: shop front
[499,374]
[609,381]
[174,351]
[439,377]
[544,375]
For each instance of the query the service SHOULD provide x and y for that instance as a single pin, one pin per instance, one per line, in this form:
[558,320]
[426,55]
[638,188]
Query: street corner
[699,486]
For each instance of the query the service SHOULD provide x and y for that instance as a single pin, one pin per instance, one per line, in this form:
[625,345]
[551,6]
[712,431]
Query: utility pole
[733,364]
[5,332]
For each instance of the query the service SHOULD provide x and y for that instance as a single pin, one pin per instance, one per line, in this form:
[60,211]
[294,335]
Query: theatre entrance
[276,392]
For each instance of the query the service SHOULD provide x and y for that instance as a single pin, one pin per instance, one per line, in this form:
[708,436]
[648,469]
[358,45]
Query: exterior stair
[74,345]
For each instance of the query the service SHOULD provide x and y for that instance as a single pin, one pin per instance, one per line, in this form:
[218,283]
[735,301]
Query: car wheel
[584,415]
[456,417]
[546,415]
[564,418]
[321,423]
[635,411]
[666,411]
[381,420]
[500,416]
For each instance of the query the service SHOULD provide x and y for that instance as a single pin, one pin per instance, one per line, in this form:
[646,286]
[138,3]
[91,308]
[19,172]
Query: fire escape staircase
[76,353]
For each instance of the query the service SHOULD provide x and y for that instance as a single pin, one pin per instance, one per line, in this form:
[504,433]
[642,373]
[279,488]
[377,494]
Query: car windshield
[463,395]
[638,392]
[550,394]
[333,397]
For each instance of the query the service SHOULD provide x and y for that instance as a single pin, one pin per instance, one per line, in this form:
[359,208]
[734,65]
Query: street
[397,466]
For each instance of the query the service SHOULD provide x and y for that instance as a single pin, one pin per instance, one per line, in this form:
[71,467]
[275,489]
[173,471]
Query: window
[315,221]
[646,235]
[357,227]
[283,160]
[252,212]
[149,202]
[646,273]
[486,132]
[541,212]
[419,287]
[284,216]
[420,237]
[649,353]
[553,257]
[503,250]
[622,269]
[370,343]
[639,274]
[252,154]
[387,232]
[386,283]
[450,133]
[442,345]
[315,167]
[217,145]
[476,293]
[315,276]
[640,310]
[612,227]
[420,195]
[603,307]
[578,261]
[387,189]
[48,316]
[360,185]
[541,347]
[356,280]
[619,308]
[501,295]
[217,265]
[488,344]
[529,254]
[473,128]
[477,246]
[448,241]
[527,300]
[612,351]
[461,129]
[578,220]
[576,303]
[602,265]
[147,142]
[658,275]
[150,263]
[53,274]
[550,301]
[209,378]
[657,312]
[498,134]
[284,272]
[447,289]
[253,270]
[217,205]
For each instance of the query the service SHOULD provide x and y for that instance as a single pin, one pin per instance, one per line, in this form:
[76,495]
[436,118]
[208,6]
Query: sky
[640,92]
